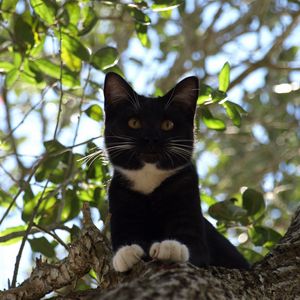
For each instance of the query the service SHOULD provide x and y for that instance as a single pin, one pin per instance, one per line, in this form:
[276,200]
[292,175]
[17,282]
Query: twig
[34,169]
[80,105]
[53,234]
[27,114]
[9,175]
[19,255]
[38,229]
[265,61]
[61,86]
[8,122]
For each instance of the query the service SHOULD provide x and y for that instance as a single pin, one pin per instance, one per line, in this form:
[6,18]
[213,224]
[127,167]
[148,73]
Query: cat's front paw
[170,250]
[126,257]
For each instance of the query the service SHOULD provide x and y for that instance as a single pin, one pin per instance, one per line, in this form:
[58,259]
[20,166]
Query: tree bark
[277,276]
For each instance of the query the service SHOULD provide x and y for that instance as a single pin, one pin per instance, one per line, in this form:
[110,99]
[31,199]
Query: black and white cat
[154,196]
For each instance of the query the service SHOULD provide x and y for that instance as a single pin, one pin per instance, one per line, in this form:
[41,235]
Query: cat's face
[141,130]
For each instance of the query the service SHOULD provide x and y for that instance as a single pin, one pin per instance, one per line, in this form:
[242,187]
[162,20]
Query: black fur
[172,210]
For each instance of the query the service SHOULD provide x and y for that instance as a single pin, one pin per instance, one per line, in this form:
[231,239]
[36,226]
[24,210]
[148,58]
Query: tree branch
[91,250]
[154,280]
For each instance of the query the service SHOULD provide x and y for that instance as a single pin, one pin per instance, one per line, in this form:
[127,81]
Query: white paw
[170,250]
[126,257]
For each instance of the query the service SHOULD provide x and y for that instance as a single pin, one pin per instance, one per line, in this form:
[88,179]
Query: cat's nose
[150,140]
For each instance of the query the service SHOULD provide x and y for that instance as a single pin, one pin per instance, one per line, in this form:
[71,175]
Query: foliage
[55,54]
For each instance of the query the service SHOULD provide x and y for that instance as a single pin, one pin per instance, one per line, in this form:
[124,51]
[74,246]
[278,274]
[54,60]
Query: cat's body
[154,196]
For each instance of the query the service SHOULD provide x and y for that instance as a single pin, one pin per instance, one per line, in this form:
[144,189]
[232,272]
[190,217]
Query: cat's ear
[116,89]
[185,93]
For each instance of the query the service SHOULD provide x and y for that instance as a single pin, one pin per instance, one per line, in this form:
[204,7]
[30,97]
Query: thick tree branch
[281,267]
[91,250]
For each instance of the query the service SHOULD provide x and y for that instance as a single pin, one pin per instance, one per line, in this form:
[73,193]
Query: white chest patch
[146,179]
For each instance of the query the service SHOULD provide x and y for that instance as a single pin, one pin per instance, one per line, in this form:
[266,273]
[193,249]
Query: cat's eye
[134,123]
[167,125]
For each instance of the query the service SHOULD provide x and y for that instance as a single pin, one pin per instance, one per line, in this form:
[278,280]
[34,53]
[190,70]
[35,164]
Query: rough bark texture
[277,276]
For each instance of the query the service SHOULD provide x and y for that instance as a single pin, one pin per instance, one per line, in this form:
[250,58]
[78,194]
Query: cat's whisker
[122,144]
[89,156]
[175,139]
[88,159]
[94,159]
[183,148]
[121,137]
[125,146]
[180,152]
[179,155]
[170,158]
[116,153]
[180,145]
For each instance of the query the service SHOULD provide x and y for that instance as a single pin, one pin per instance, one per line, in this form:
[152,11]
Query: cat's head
[141,130]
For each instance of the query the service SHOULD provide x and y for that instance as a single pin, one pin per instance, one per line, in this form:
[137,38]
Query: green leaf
[31,202]
[38,46]
[23,32]
[54,146]
[209,200]
[43,246]
[218,96]
[11,78]
[50,69]
[289,54]
[227,211]
[224,77]
[115,69]
[253,202]
[5,66]
[96,169]
[57,164]
[163,5]
[205,94]
[46,168]
[75,46]
[264,236]
[71,61]
[71,205]
[10,230]
[73,12]
[5,198]
[17,59]
[89,21]
[94,112]
[45,9]
[8,5]
[210,121]
[105,58]
[140,17]
[251,255]
[141,31]
[28,193]
[232,113]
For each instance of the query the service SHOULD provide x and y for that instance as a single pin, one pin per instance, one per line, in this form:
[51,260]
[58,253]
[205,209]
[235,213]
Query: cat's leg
[126,257]
[169,250]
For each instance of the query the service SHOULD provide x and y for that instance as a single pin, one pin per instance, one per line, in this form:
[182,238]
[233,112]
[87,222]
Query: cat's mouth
[150,157]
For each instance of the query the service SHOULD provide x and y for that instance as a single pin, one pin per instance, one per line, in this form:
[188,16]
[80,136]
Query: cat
[153,195]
